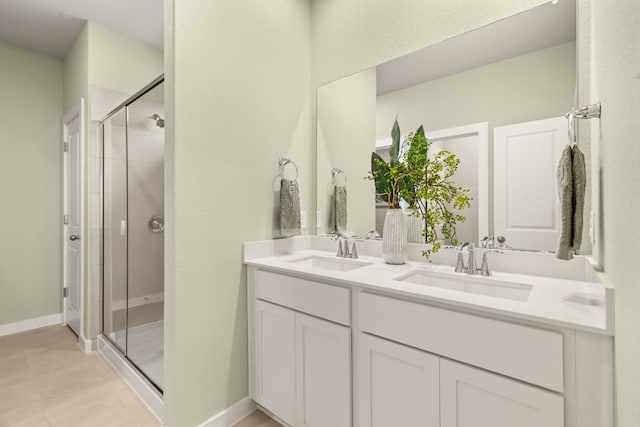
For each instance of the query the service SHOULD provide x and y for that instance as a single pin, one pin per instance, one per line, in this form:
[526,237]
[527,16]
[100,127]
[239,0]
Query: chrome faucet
[488,242]
[343,248]
[484,268]
[470,268]
[342,252]
[354,252]
[471,262]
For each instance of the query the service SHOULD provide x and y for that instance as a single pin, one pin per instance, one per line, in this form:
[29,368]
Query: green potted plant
[391,181]
[424,182]
[432,194]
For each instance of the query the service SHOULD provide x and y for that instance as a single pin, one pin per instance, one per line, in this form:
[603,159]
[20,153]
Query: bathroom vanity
[338,342]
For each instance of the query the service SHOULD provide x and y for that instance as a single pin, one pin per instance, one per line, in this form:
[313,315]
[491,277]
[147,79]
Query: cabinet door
[275,359]
[323,373]
[471,397]
[398,385]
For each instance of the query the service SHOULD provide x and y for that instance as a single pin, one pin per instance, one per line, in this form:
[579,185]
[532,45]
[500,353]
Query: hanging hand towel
[579,175]
[338,210]
[565,192]
[289,208]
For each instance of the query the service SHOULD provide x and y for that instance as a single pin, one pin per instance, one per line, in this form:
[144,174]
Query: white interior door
[526,207]
[73,218]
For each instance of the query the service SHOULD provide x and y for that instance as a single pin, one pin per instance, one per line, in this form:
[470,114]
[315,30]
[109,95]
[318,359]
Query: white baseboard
[26,325]
[232,414]
[149,395]
[137,301]
[86,345]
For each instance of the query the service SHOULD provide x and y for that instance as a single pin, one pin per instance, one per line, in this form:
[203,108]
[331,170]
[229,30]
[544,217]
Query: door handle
[74,237]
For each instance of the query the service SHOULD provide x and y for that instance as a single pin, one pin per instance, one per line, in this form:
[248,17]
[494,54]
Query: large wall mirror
[496,97]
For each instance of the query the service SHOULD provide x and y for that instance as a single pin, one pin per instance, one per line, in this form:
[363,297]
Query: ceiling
[541,27]
[51,26]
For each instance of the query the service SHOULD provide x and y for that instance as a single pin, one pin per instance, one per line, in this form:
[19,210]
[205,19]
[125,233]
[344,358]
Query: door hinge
[65,219]
[65,147]
[65,292]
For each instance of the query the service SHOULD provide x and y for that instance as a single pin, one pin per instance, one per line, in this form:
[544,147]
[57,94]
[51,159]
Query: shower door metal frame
[123,106]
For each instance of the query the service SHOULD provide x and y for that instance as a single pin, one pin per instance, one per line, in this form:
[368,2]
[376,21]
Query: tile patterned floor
[47,381]
[257,419]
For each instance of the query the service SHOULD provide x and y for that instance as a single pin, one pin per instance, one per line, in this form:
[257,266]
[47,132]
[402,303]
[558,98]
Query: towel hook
[335,172]
[283,162]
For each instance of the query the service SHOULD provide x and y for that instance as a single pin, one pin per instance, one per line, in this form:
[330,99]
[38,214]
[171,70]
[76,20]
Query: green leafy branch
[424,182]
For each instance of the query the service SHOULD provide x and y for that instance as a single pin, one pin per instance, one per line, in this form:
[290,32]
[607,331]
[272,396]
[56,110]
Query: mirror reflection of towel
[338,209]
[289,208]
[571,182]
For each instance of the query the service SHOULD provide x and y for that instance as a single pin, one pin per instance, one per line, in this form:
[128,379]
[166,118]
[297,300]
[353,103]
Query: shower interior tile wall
[146,194]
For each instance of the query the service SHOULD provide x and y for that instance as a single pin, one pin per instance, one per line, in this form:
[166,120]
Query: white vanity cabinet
[301,363]
[398,385]
[473,397]
[331,353]
[455,394]
[323,373]
[404,386]
[276,360]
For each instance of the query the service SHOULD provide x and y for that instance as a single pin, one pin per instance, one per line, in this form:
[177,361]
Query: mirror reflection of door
[526,202]
[503,74]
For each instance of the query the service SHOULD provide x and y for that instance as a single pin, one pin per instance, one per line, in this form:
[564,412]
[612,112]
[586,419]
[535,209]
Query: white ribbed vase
[394,237]
[414,227]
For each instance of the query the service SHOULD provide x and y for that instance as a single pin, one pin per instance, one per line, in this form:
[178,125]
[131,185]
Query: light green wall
[258,80]
[616,83]
[239,77]
[76,70]
[30,184]
[349,36]
[534,86]
[119,63]
[346,138]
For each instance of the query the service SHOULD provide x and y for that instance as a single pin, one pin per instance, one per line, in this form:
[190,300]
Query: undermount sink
[469,284]
[334,264]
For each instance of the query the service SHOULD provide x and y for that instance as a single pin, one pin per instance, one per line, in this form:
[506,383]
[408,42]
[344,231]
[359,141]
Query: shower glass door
[114,202]
[145,243]
[133,192]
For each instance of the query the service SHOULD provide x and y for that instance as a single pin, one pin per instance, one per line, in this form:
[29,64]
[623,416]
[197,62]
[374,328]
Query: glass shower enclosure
[133,230]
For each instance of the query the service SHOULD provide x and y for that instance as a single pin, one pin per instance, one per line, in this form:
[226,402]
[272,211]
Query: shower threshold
[145,389]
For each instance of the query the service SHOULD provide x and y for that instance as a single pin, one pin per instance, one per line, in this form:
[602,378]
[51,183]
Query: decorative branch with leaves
[391,179]
[424,182]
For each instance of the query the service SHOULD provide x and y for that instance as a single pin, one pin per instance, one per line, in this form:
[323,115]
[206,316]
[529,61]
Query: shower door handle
[74,237]
[156,224]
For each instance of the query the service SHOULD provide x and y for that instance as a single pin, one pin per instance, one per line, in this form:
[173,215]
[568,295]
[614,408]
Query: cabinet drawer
[318,299]
[529,354]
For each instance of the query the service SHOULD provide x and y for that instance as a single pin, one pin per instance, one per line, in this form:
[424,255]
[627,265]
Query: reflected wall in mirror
[495,97]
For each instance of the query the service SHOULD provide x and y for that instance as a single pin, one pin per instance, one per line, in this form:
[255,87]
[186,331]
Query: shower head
[159,120]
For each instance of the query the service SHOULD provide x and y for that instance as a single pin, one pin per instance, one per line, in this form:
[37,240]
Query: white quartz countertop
[567,303]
